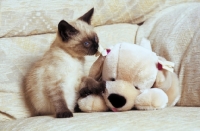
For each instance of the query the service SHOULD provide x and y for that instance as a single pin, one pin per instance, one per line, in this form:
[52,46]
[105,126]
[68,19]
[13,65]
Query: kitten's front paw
[84,92]
[102,87]
[99,88]
[65,114]
[96,88]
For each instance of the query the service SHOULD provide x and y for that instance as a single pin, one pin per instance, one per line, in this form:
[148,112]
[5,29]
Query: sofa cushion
[168,119]
[20,18]
[175,35]
[19,53]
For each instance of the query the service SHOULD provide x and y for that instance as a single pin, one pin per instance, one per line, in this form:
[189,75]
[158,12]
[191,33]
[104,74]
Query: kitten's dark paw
[96,88]
[77,109]
[100,88]
[103,86]
[65,114]
[84,92]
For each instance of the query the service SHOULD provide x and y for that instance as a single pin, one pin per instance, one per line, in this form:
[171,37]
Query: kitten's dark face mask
[87,43]
[92,45]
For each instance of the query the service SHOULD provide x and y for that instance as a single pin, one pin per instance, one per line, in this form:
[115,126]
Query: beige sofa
[28,27]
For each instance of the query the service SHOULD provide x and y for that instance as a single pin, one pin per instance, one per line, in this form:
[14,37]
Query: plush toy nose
[117,100]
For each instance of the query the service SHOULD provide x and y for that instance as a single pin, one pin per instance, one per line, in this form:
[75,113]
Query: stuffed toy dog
[127,76]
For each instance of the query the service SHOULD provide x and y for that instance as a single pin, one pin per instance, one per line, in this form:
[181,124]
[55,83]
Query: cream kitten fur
[52,84]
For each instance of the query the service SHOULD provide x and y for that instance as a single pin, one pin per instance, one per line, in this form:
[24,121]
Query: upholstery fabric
[27,28]
[174,34]
[28,17]
[168,119]
[19,53]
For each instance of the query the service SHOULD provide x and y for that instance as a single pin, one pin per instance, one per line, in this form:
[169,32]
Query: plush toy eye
[86,44]
[136,88]
[112,79]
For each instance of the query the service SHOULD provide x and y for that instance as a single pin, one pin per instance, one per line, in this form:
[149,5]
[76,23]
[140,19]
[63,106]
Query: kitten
[52,84]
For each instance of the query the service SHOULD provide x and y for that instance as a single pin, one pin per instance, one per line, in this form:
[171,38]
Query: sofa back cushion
[21,18]
[175,35]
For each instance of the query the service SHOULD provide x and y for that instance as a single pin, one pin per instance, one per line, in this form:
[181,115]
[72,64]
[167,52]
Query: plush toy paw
[92,103]
[151,99]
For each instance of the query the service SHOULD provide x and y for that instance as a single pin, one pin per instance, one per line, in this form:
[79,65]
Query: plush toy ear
[96,69]
[146,44]
[163,78]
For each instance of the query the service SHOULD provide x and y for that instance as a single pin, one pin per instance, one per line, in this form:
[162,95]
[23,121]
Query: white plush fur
[151,99]
[169,83]
[132,66]
[92,103]
[132,63]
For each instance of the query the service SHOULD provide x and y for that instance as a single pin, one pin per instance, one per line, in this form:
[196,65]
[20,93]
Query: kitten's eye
[86,44]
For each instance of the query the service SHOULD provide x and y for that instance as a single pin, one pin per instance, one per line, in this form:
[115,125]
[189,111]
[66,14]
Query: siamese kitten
[52,84]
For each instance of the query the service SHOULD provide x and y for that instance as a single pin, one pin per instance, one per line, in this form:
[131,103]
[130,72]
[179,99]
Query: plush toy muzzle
[120,95]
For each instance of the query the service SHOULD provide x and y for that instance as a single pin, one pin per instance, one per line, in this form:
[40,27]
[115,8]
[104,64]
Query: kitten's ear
[66,30]
[87,16]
